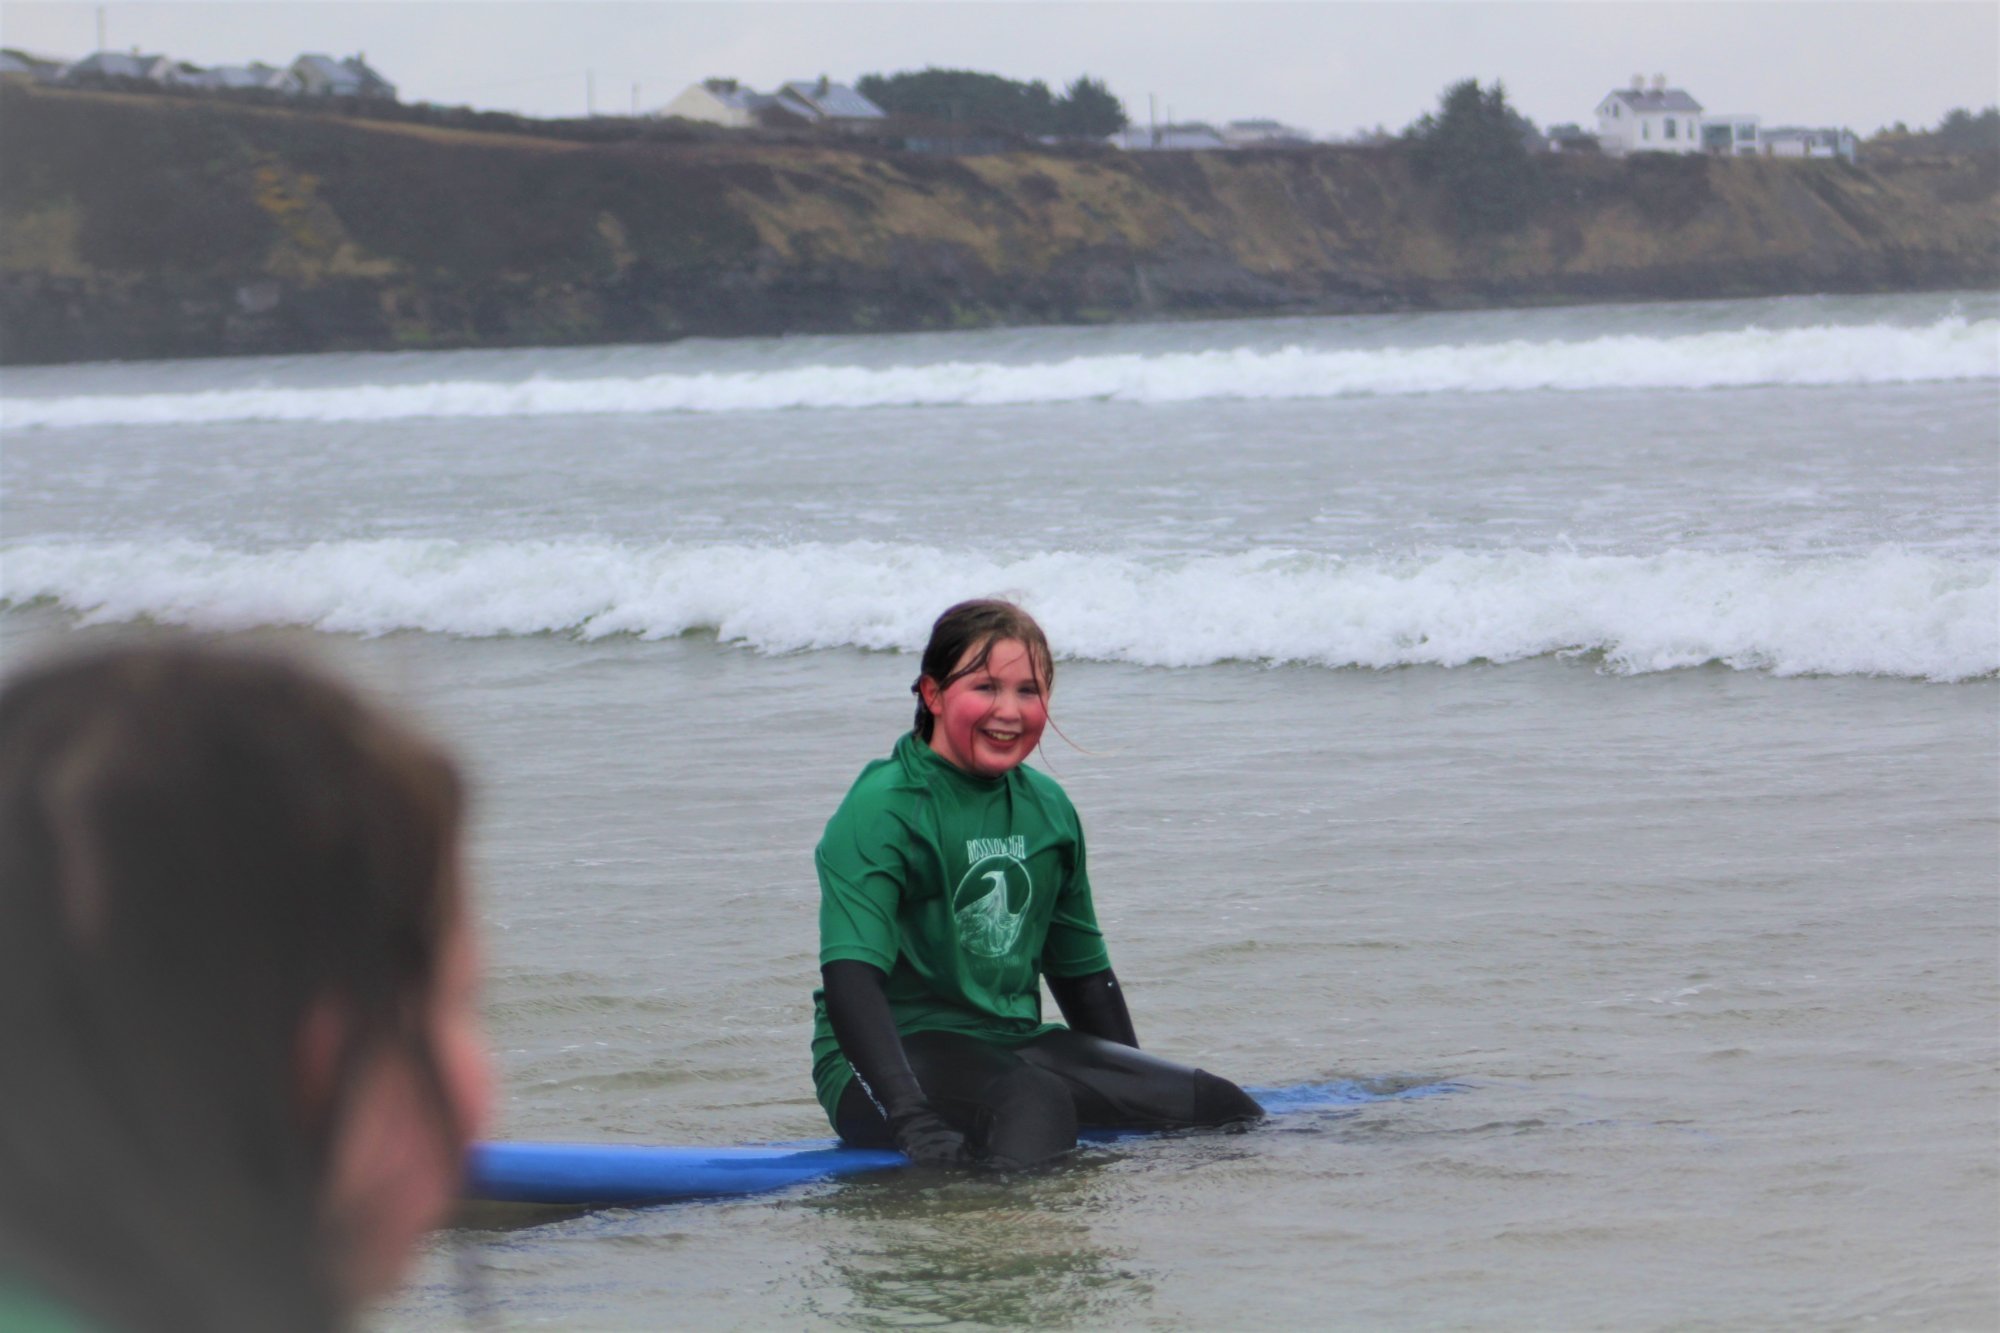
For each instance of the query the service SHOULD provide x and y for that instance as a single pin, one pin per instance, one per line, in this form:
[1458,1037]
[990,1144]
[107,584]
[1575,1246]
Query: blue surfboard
[593,1174]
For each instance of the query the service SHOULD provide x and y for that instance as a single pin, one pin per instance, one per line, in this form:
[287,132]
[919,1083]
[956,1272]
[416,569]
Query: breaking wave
[1953,348]
[1891,612]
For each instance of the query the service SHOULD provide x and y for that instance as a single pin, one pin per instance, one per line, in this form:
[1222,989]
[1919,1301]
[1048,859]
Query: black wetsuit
[1012,1105]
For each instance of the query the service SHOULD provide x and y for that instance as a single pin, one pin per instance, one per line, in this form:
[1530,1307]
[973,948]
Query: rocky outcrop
[135,226]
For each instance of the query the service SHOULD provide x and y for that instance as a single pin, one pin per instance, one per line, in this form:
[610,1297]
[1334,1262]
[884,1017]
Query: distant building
[719,102]
[821,101]
[801,102]
[102,66]
[323,76]
[1792,141]
[1730,136]
[256,74]
[20,65]
[1263,134]
[1649,120]
[1192,136]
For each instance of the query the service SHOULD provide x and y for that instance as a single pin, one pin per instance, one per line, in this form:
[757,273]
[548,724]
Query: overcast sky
[1328,66]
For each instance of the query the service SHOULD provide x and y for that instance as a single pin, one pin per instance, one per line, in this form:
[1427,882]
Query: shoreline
[1123,320]
[147,229]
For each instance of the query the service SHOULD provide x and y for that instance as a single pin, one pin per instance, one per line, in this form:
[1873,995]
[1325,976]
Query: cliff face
[135,226]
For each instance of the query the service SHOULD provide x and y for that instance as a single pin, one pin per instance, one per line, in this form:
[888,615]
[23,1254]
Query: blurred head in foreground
[237,1011]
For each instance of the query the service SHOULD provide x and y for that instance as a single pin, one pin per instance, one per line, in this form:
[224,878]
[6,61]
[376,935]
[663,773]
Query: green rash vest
[23,1311]
[964,890]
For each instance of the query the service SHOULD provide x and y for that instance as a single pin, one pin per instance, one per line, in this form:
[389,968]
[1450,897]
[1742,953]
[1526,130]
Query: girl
[952,883]
[242,1047]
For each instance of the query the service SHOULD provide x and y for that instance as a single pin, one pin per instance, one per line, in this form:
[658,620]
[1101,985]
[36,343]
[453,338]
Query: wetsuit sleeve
[1075,945]
[865,1027]
[1095,1005]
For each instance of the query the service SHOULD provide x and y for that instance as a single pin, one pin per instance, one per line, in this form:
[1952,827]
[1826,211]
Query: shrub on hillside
[1475,146]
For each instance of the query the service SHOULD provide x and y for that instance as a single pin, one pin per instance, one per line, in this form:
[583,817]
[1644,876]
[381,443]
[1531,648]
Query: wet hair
[198,843]
[977,624]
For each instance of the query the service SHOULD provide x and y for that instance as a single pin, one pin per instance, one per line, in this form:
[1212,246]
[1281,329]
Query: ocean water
[1592,708]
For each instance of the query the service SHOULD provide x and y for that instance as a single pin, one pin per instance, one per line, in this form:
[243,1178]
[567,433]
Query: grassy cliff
[135,226]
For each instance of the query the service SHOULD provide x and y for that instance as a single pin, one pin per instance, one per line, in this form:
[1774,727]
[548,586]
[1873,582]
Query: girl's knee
[1029,1118]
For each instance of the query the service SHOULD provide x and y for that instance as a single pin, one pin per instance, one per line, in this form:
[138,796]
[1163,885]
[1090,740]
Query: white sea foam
[1953,348]
[1891,612]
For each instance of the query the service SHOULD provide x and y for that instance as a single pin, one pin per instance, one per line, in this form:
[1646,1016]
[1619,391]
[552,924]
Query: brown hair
[979,624]
[197,843]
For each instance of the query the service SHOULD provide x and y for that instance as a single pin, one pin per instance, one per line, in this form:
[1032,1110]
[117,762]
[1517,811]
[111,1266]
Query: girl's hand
[927,1140]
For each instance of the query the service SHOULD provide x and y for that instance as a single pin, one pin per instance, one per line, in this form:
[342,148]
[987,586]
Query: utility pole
[635,101]
[1153,117]
[100,28]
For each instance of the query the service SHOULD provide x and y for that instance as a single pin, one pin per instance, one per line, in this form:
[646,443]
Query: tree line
[1961,131]
[1085,110]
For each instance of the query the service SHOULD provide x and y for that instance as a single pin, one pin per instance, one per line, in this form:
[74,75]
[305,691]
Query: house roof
[1665,99]
[835,101]
[735,96]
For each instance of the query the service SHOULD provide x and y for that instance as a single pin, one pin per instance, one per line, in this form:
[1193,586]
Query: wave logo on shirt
[991,902]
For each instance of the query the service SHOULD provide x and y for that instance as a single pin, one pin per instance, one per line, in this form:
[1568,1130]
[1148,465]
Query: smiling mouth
[1000,737]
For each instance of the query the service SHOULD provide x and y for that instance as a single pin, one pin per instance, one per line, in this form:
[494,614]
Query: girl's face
[397,1157]
[990,719]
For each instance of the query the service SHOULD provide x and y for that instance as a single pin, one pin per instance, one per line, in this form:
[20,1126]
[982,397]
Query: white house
[1649,120]
[323,76]
[718,102]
